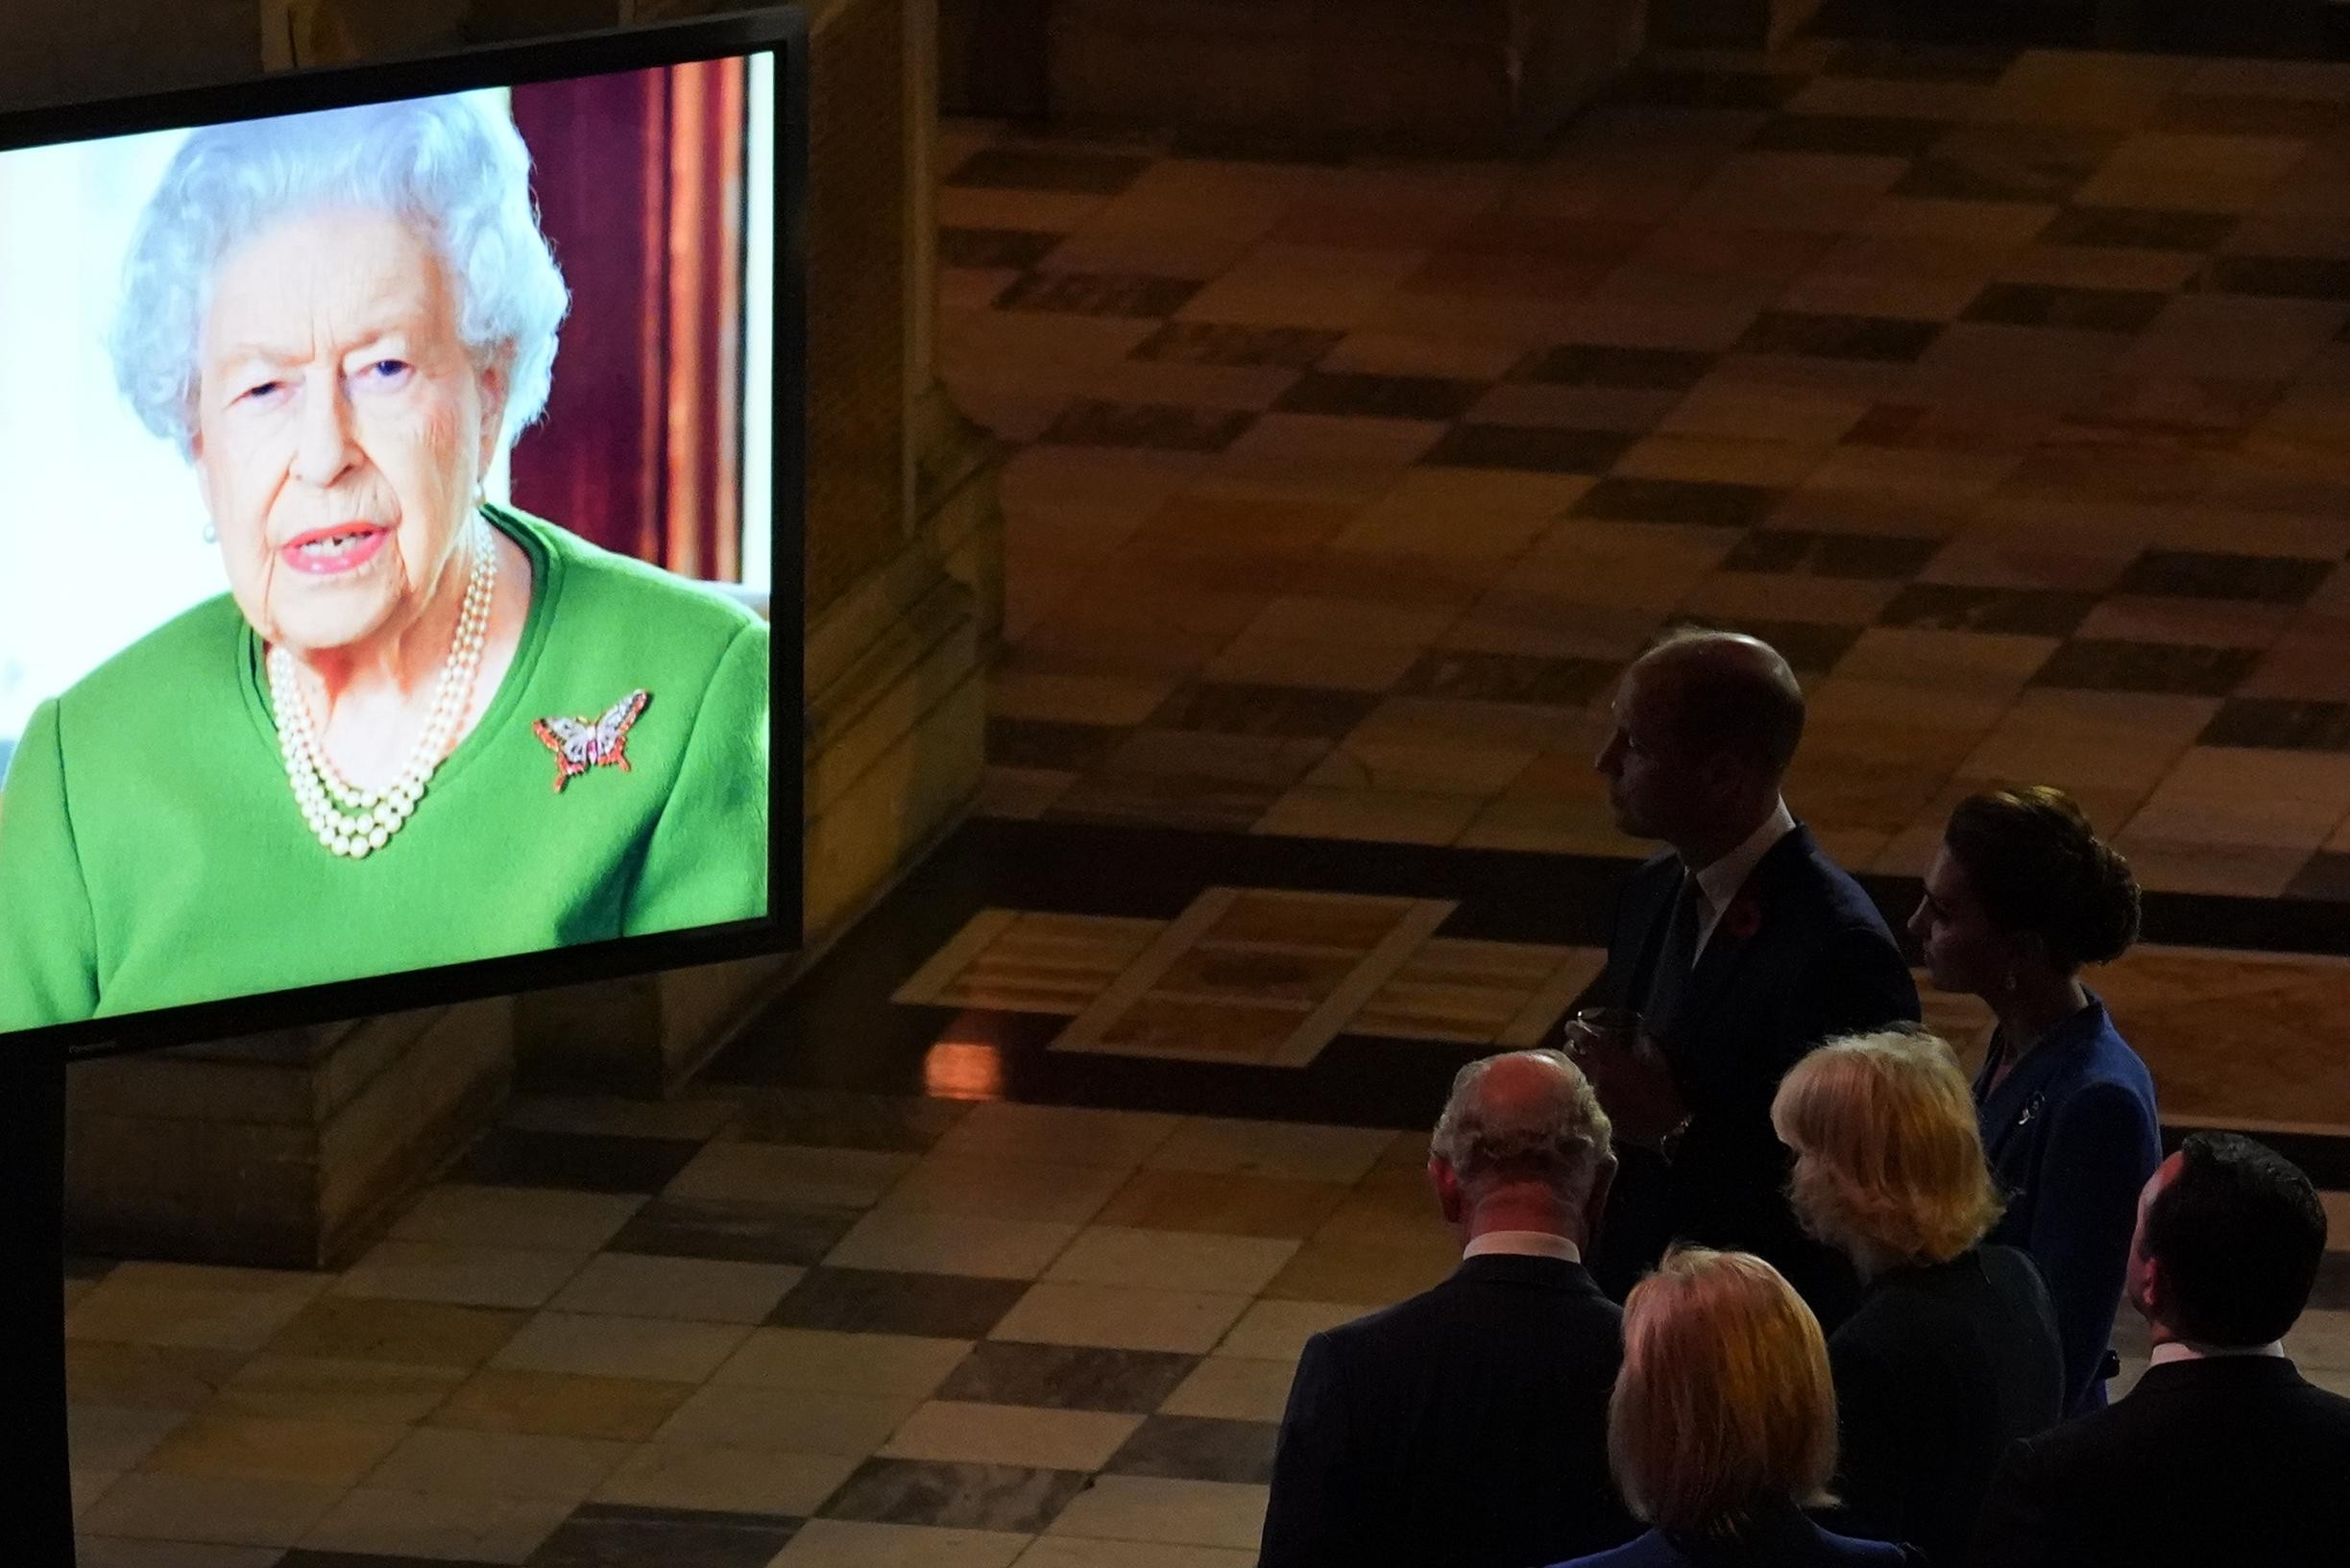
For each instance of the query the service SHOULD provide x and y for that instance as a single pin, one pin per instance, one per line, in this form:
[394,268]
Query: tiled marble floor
[772,1328]
[2004,390]
[992,1243]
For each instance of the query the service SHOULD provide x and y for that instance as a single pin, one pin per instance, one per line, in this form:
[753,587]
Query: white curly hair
[452,166]
[1559,1136]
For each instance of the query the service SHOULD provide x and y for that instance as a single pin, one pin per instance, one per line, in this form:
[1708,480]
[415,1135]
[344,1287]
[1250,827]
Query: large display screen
[398,533]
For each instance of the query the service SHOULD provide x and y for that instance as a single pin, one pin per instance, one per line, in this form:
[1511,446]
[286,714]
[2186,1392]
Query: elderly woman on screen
[418,728]
[1953,1353]
[1722,1429]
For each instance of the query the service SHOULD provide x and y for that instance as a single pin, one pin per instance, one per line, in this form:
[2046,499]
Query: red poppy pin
[1742,919]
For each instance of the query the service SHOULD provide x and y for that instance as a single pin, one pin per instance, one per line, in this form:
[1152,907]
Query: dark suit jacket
[1812,958]
[1466,1427]
[1780,1540]
[2233,1461]
[2072,1136]
[1940,1368]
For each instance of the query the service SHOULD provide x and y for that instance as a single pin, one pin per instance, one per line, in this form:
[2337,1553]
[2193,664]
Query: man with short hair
[1467,1427]
[2223,1453]
[1742,946]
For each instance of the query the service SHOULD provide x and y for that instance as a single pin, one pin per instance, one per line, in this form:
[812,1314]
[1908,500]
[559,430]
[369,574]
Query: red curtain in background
[639,179]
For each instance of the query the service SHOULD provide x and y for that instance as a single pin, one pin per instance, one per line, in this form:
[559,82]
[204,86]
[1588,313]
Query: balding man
[1741,946]
[1469,1426]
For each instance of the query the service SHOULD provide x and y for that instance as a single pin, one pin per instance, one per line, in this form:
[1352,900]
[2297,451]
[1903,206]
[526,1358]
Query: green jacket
[152,853]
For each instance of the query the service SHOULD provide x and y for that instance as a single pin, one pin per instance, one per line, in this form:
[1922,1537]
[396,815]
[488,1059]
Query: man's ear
[1447,1184]
[1595,1207]
[1726,773]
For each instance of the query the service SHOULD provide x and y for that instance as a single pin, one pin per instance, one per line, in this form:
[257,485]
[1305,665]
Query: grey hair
[454,168]
[1559,1139]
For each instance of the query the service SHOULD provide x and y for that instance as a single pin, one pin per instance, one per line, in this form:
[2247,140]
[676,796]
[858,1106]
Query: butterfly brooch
[582,743]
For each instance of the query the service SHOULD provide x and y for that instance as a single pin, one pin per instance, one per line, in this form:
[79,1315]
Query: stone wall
[285,1149]
[1407,76]
[1475,77]
[55,51]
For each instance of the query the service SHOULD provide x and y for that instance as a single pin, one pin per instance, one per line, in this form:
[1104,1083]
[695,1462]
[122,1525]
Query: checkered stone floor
[2004,390]
[911,1277]
[771,1328]
[936,1333]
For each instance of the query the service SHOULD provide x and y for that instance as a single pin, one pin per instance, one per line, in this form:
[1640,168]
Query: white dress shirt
[2178,1350]
[1719,882]
[1523,1243]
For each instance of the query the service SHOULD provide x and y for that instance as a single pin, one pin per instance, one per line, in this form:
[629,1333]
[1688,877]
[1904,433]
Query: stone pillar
[282,1150]
[992,58]
[903,562]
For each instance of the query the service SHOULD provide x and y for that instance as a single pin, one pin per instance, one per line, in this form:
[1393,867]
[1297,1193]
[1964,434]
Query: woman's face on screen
[341,427]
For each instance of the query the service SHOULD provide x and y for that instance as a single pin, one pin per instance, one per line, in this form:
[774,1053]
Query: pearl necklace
[354,822]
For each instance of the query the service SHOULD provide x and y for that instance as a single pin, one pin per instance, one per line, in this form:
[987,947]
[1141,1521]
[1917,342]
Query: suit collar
[1521,1268]
[1776,1531]
[2179,1350]
[1929,1274]
[2031,1076]
[1721,881]
[1772,868]
[1523,1243]
[2215,1372]
[1731,942]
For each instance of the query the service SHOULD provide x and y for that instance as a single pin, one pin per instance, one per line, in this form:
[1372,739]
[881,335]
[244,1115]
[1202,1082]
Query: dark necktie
[1675,960]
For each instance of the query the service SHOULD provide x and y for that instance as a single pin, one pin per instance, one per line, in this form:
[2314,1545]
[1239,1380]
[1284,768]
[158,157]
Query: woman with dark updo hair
[2021,894]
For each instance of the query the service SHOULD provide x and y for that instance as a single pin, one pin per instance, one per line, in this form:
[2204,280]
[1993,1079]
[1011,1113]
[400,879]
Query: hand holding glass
[1618,1028]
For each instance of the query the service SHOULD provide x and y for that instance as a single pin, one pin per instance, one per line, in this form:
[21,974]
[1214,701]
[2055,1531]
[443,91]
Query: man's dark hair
[1730,693]
[2239,1233]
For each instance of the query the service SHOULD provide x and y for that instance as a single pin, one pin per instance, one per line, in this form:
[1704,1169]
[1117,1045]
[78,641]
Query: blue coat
[2072,1136]
[1779,1541]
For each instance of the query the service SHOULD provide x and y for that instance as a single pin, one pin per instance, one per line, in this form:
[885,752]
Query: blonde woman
[1953,1353]
[1723,1426]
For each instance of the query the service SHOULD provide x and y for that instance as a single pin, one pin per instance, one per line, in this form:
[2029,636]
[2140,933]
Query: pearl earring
[211,534]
